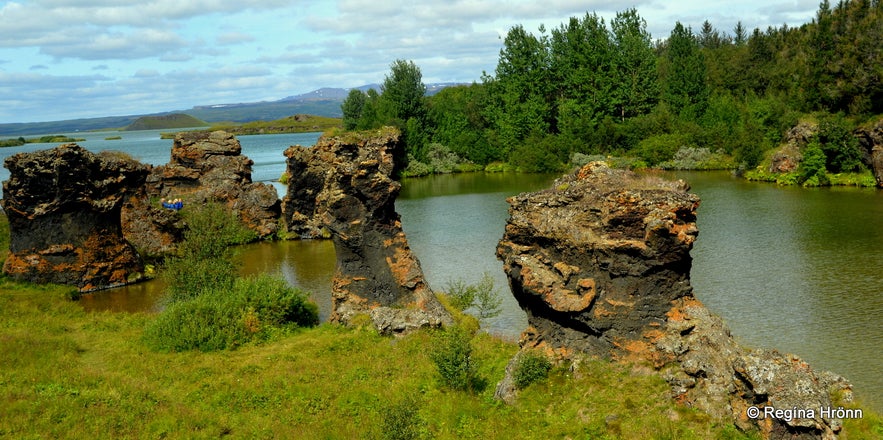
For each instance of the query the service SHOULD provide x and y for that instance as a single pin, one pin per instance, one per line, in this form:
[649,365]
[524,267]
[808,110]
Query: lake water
[794,269]
[147,147]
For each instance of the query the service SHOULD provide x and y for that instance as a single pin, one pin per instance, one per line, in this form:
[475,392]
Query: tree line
[587,88]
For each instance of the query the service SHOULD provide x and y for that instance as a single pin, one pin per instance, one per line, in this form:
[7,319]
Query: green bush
[660,148]
[219,319]
[482,296]
[690,158]
[451,353]
[812,169]
[188,277]
[401,420]
[203,261]
[441,159]
[462,295]
[529,368]
[211,229]
[539,154]
[416,168]
[841,148]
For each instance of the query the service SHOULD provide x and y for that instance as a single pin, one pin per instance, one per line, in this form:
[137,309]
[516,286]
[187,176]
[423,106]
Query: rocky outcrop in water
[345,185]
[63,206]
[601,265]
[203,167]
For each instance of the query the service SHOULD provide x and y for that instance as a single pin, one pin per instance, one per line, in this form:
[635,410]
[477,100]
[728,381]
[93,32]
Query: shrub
[690,158]
[539,154]
[401,420]
[219,319]
[580,159]
[812,169]
[203,261]
[211,228]
[529,368]
[841,148]
[187,277]
[452,355]
[462,295]
[659,148]
[482,296]
[441,159]
[416,168]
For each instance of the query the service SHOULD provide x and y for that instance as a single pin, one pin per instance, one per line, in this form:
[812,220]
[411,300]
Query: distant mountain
[174,120]
[321,102]
[336,93]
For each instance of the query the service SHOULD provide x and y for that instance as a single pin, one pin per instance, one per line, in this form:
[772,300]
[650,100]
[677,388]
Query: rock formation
[64,208]
[871,140]
[344,185]
[601,265]
[204,166]
[789,155]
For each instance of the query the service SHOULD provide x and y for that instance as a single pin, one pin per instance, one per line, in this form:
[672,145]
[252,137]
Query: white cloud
[234,38]
[157,55]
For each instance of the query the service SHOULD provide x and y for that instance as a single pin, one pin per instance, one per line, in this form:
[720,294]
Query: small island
[300,123]
[50,139]
[174,120]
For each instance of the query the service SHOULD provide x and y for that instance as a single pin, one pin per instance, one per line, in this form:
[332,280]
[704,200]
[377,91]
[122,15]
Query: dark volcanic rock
[203,167]
[344,185]
[601,265]
[64,208]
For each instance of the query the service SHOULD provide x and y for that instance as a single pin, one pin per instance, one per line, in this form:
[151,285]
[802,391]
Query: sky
[69,59]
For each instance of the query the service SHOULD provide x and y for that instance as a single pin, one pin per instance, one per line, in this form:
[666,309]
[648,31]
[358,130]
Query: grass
[864,179]
[65,373]
[70,374]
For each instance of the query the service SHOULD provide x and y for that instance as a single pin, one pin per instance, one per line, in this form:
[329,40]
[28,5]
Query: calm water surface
[147,147]
[797,270]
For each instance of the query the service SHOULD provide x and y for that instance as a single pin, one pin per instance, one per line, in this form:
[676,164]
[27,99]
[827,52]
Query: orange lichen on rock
[600,263]
[345,186]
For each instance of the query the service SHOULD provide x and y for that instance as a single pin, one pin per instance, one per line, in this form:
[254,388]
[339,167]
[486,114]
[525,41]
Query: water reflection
[796,270]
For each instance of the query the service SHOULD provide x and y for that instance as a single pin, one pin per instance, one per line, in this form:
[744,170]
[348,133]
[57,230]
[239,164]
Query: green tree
[820,76]
[352,108]
[634,66]
[709,37]
[520,103]
[457,119]
[402,92]
[370,116]
[582,67]
[685,88]
[740,35]
[402,104]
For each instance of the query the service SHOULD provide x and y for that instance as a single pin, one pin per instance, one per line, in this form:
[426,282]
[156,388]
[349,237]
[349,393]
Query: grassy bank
[65,373]
[68,374]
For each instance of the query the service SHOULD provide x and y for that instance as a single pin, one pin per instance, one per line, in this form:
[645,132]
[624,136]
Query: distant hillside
[336,93]
[174,120]
[266,111]
[67,126]
[321,102]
